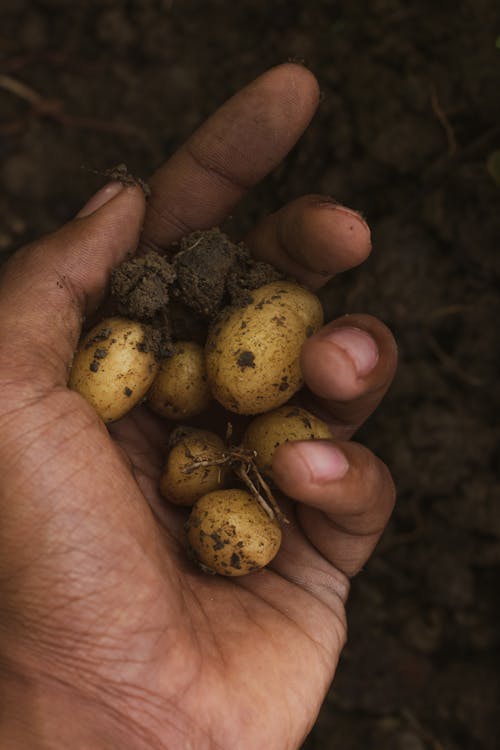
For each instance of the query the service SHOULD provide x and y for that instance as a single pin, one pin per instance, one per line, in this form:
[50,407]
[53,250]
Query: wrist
[38,716]
[45,713]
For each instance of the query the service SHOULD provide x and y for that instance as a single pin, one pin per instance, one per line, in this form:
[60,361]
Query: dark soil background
[408,133]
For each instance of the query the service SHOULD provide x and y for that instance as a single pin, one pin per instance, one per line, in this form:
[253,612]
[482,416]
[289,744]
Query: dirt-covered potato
[253,352]
[180,389]
[301,301]
[229,533]
[265,433]
[182,482]
[112,368]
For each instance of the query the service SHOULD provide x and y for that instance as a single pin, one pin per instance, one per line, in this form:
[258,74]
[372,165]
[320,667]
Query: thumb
[49,286]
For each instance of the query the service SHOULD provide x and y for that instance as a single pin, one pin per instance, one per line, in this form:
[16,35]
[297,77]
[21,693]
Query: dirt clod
[246,359]
[178,296]
[141,286]
[202,265]
[213,272]
[247,274]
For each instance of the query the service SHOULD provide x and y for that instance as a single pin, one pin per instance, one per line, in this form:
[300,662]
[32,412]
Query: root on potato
[192,467]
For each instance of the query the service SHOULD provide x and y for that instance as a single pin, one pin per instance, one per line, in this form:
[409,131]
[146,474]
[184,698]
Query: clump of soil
[141,286]
[179,296]
[185,325]
[247,274]
[202,266]
[213,272]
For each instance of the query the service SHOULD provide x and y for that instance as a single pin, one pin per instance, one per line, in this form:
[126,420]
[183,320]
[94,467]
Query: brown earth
[409,133]
[204,273]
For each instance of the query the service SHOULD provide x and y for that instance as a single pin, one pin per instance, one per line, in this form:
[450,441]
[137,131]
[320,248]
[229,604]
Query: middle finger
[312,238]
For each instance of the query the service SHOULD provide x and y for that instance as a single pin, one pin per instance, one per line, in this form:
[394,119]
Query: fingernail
[325,461]
[359,346]
[348,212]
[100,198]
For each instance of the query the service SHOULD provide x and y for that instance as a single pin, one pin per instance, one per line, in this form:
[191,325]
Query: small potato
[265,433]
[229,533]
[180,390]
[300,300]
[189,445]
[253,352]
[111,370]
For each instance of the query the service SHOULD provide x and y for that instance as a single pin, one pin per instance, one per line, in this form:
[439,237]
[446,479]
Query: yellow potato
[180,390]
[111,370]
[229,533]
[299,299]
[253,352]
[189,445]
[265,433]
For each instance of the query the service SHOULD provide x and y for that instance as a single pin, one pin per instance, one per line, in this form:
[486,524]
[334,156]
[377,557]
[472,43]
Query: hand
[109,638]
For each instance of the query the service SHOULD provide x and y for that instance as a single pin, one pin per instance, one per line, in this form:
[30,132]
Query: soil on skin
[122,174]
[407,133]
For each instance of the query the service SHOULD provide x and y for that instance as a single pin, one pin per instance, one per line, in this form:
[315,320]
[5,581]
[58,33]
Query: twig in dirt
[443,119]
[54,109]
[447,310]
[436,171]
[22,91]
[188,249]
[422,731]
[451,364]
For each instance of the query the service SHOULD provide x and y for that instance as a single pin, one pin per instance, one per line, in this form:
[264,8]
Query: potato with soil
[253,352]
[183,481]
[180,389]
[267,432]
[229,533]
[113,368]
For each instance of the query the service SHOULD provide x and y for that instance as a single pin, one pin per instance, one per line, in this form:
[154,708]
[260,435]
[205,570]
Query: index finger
[234,149]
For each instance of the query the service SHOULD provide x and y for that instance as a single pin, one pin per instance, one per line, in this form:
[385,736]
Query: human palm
[102,612]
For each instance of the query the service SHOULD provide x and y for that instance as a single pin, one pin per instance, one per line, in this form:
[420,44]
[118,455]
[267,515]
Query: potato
[229,533]
[302,302]
[111,370]
[253,352]
[180,390]
[265,433]
[188,445]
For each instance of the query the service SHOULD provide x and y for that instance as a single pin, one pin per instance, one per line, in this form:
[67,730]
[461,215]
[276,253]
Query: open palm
[106,626]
